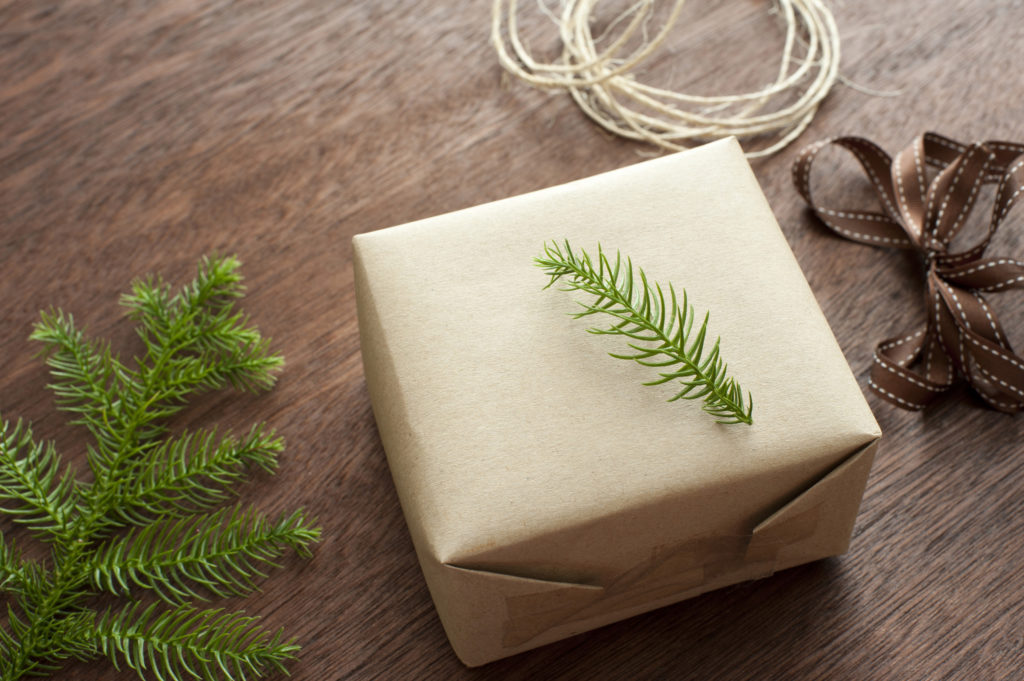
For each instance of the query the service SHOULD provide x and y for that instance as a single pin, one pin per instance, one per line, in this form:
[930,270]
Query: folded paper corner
[817,522]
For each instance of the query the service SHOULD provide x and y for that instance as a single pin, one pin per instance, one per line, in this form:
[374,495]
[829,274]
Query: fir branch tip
[657,325]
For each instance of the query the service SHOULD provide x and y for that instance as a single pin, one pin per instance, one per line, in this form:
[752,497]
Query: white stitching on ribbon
[901,341]
[907,377]
[908,405]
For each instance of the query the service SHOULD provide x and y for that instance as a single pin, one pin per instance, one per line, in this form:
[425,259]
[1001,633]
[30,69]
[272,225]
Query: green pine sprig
[659,327]
[186,643]
[178,558]
[146,521]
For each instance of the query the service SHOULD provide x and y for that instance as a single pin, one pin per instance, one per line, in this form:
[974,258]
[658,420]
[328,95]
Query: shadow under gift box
[547,491]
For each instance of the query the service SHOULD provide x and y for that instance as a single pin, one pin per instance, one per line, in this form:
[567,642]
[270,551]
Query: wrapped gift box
[547,491]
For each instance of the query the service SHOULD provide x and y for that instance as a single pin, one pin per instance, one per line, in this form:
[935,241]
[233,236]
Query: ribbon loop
[866,227]
[986,275]
[952,194]
[963,336]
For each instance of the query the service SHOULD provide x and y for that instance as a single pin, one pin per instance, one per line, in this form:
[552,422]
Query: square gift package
[549,492]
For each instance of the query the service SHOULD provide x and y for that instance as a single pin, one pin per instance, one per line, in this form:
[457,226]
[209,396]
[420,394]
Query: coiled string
[601,82]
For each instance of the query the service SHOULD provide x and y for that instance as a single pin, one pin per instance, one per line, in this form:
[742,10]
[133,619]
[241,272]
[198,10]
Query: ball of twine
[601,82]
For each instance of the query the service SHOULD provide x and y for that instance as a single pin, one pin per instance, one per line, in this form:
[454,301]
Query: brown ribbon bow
[963,335]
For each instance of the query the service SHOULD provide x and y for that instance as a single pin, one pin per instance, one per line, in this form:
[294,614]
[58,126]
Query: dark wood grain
[136,136]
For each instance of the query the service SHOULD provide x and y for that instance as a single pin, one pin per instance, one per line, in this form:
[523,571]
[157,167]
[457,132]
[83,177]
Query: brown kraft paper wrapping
[547,491]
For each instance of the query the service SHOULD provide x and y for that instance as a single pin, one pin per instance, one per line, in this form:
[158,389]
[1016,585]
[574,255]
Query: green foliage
[658,327]
[162,488]
[220,552]
[46,499]
[186,643]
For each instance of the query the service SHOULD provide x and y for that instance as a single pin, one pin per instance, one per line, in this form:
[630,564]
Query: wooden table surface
[136,136]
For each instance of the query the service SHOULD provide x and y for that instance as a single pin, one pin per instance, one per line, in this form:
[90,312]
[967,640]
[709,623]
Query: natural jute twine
[601,82]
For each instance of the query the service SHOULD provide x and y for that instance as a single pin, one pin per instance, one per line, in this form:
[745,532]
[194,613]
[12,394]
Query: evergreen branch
[245,368]
[658,329]
[217,285]
[186,643]
[206,304]
[15,660]
[12,567]
[90,382]
[69,637]
[20,576]
[50,628]
[87,378]
[8,653]
[150,304]
[191,473]
[221,552]
[45,498]
[226,333]
[194,341]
